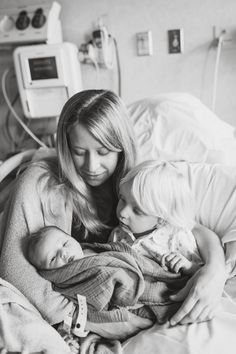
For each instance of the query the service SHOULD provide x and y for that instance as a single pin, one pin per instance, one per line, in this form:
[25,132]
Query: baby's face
[57,249]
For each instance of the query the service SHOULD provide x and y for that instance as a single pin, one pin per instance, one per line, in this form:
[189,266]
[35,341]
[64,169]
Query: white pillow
[179,126]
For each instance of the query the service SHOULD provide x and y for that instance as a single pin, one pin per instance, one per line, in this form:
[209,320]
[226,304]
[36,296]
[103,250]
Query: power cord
[92,56]
[87,55]
[101,51]
[7,121]
[11,108]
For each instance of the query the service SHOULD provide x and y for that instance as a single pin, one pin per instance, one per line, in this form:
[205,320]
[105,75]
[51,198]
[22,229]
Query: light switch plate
[144,43]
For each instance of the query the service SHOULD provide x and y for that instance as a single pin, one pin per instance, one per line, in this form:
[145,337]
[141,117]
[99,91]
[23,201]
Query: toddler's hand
[176,262]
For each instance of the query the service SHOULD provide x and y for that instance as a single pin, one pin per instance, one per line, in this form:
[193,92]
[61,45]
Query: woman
[77,192]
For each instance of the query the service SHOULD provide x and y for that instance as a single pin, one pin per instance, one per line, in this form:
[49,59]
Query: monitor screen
[43,68]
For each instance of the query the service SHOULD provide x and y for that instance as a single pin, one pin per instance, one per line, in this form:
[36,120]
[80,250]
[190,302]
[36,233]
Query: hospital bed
[173,126]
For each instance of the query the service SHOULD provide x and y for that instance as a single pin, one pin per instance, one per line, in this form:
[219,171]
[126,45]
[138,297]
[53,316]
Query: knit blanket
[115,280]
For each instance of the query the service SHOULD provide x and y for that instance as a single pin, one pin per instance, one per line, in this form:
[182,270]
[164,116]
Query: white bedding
[22,328]
[212,337]
[179,126]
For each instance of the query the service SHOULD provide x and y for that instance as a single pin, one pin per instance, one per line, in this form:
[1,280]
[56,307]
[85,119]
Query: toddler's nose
[122,218]
[124,213]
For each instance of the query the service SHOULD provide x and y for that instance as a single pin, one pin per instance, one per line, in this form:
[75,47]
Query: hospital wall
[146,76]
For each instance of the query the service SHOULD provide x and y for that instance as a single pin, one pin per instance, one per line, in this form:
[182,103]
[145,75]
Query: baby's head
[155,192]
[51,248]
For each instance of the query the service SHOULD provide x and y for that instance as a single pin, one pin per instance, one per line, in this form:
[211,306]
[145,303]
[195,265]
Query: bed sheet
[22,327]
[180,126]
[211,337]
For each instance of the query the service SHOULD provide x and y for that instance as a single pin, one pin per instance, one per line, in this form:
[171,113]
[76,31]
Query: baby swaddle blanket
[116,278]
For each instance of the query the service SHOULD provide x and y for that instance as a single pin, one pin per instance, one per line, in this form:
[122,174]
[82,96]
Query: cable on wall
[101,51]
[87,55]
[11,108]
[205,70]
[216,69]
[92,56]
[118,66]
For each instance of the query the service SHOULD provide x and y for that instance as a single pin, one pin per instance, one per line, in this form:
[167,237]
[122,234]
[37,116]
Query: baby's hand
[176,262]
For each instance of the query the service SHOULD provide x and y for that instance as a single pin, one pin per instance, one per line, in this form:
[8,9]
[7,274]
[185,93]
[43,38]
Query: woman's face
[92,160]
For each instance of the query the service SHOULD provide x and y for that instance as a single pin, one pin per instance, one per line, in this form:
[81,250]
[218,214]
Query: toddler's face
[57,249]
[129,214]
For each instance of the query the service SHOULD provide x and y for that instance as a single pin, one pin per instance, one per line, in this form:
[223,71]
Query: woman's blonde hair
[105,117]
[160,189]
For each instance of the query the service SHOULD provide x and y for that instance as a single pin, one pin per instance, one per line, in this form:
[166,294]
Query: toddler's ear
[161,221]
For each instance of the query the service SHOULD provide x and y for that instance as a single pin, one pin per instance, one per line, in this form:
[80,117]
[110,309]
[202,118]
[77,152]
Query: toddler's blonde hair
[160,189]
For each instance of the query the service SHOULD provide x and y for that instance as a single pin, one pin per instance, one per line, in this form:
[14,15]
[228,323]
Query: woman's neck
[106,200]
[105,186]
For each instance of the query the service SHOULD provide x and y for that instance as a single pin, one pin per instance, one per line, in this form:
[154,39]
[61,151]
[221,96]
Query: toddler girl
[156,217]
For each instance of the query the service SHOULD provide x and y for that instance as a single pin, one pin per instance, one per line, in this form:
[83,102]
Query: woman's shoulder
[35,174]
[41,162]
[32,174]
[33,170]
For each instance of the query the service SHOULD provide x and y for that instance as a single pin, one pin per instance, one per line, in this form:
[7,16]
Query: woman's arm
[24,214]
[203,291]
[209,245]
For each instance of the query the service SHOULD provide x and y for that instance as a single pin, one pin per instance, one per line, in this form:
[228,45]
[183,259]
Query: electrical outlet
[228,34]
[175,41]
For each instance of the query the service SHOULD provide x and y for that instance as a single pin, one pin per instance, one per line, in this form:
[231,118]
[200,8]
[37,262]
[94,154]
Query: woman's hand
[120,330]
[202,296]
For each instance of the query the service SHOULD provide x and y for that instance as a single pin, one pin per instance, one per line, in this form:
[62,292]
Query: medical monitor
[43,68]
[47,75]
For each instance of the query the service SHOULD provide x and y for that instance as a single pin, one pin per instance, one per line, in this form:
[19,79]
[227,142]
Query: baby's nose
[63,254]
